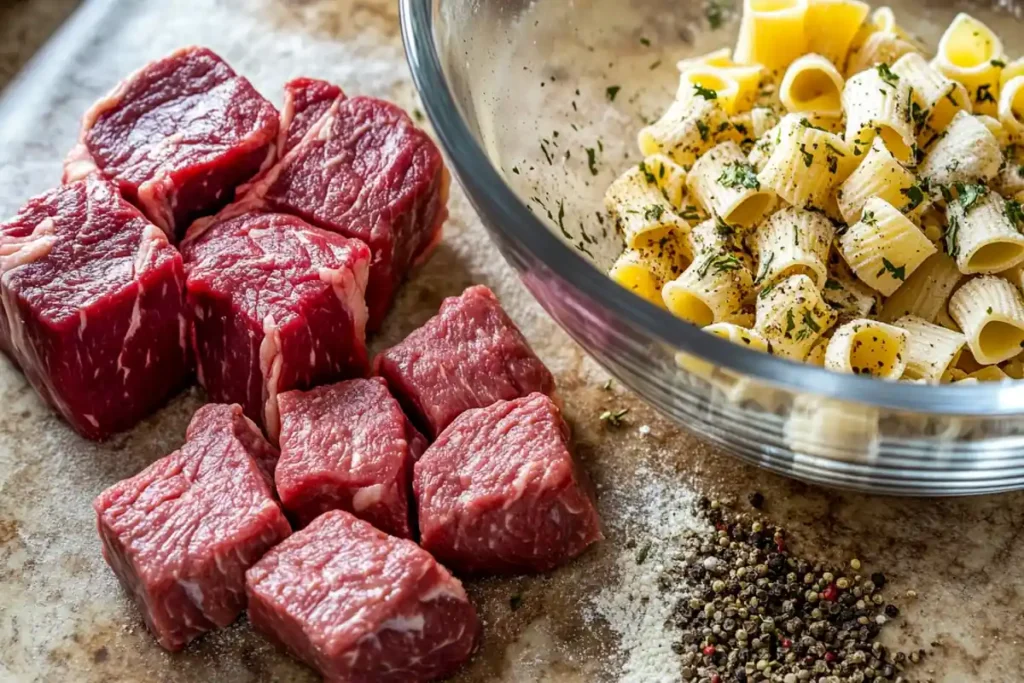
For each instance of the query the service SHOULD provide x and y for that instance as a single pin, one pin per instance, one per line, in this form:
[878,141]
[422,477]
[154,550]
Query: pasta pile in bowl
[830,193]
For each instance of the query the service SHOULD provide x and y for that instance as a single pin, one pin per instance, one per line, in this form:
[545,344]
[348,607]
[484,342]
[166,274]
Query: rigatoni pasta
[876,228]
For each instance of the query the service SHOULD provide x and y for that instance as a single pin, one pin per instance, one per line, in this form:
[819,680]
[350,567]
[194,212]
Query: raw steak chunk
[92,306]
[360,606]
[276,304]
[363,170]
[348,446]
[498,491]
[181,534]
[306,100]
[469,355]
[177,136]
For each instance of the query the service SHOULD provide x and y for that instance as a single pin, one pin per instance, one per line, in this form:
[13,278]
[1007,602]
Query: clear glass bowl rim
[505,213]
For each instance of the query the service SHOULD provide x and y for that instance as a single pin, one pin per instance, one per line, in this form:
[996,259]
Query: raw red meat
[92,306]
[360,606]
[306,100]
[366,171]
[499,492]
[277,304]
[347,446]
[469,355]
[181,534]
[177,137]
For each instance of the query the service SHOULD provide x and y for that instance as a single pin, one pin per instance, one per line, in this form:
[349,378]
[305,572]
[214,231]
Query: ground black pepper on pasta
[752,611]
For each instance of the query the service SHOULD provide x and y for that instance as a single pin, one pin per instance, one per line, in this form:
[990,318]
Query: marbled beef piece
[276,305]
[498,492]
[177,137]
[364,170]
[467,356]
[306,101]
[181,534]
[92,306]
[348,446]
[360,606]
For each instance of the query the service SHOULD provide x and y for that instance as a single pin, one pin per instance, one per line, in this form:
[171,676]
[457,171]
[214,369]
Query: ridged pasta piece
[1011,107]
[830,26]
[763,120]
[792,316]
[806,164]
[789,125]
[880,175]
[981,236]
[937,98]
[1011,71]
[716,288]
[713,236]
[968,152]
[1001,134]
[685,131]
[850,297]
[705,78]
[812,84]
[1010,180]
[741,336]
[725,184]
[926,292]
[990,312]
[792,242]
[971,53]
[669,176]
[645,271]
[641,210]
[932,350]
[877,102]
[771,33]
[868,347]
[884,247]
[880,47]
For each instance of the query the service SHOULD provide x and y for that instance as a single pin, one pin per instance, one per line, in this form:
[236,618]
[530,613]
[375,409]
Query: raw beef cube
[177,137]
[181,534]
[92,306]
[306,100]
[348,446]
[469,355]
[499,492]
[360,606]
[276,304]
[366,171]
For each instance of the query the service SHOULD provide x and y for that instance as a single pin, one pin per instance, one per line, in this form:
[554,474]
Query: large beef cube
[469,355]
[347,446]
[498,492]
[360,606]
[181,534]
[92,306]
[277,305]
[366,171]
[177,137]
[306,101]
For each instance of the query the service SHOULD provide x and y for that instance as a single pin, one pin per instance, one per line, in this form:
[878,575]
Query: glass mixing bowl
[537,104]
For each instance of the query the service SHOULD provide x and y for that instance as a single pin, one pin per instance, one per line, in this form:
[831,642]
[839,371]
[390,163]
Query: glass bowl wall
[537,105]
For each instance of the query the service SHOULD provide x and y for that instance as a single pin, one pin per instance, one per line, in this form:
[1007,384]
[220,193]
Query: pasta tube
[685,131]
[645,271]
[725,184]
[880,175]
[990,312]
[771,33]
[935,97]
[830,26]
[971,53]
[792,242]
[806,164]
[715,288]
[982,237]
[640,209]
[926,292]
[877,102]
[967,153]
[792,316]
[932,350]
[868,347]
[812,84]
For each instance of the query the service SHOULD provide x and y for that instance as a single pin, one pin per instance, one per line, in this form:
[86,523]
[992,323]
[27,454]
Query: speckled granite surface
[62,616]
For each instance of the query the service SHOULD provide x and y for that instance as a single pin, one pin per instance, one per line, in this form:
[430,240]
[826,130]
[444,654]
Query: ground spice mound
[747,610]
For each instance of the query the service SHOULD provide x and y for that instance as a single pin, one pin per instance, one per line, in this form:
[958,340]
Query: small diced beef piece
[277,305]
[181,534]
[360,606]
[469,355]
[92,306]
[177,137]
[364,170]
[348,446]
[498,492]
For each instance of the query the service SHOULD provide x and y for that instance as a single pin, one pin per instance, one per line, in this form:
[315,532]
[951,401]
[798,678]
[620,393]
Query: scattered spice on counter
[614,418]
[749,610]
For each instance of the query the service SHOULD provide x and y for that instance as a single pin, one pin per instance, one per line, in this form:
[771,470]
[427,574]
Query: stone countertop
[61,612]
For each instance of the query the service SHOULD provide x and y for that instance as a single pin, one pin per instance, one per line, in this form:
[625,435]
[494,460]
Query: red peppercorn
[721,526]
[787,643]
[709,650]
[715,678]
[830,657]
[830,593]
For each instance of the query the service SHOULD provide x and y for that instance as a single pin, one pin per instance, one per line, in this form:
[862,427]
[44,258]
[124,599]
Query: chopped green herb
[715,11]
[886,74]
[998,63]
[985,93]
[897,273]
[614,417]
[515,169]
[915,197]
[690,213]
[704,129]
[807,124]
[766,291]
[766,267]
[868,218]
[645,42]
[1014,212]
[719,263]
[592,160]
[648,176]
[561,220]
[918,114]
[970,194]
[654,212]
[739,174]
[808,157]
[706,93]
[644,551]
[611,91]
[417,114]
[655,65]
[834,285]
[723,228]
[543,148]
[790,322]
